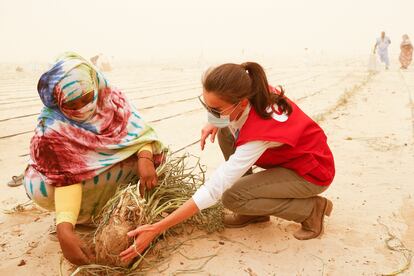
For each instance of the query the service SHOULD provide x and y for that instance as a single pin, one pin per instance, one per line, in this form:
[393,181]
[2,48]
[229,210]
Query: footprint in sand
[382,144]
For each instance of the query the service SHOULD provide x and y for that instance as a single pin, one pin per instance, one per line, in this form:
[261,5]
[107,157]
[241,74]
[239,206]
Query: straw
[178,178]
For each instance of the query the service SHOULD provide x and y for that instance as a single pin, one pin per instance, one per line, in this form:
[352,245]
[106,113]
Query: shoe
[237,221]
[16,181]
[312,227]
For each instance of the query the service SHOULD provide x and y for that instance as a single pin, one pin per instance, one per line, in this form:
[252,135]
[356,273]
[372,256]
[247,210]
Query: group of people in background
[406,47]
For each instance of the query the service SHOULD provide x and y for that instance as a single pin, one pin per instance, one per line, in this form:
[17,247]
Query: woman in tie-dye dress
[89,139]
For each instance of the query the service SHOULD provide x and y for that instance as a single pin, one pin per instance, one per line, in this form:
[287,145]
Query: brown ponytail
[234,82]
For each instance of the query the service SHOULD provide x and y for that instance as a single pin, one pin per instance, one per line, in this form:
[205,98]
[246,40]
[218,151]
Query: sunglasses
[214,111]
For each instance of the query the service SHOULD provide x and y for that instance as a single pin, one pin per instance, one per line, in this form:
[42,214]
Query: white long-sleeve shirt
[230,171]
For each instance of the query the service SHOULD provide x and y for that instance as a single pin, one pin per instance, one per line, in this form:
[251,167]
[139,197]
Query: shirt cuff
[147,147]
[203,199]
[68,216]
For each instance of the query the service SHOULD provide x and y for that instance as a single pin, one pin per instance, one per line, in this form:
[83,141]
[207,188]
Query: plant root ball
[111,241]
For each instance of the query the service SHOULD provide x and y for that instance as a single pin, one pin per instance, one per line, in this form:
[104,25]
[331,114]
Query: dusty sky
[38,30]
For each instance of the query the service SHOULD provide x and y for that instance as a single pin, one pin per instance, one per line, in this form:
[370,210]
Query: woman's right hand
[208,130]
[72,247]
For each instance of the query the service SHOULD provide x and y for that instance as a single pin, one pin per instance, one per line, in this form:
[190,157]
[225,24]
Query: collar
[235,126]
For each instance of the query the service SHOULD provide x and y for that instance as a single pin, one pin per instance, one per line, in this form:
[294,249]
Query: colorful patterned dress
[93,144]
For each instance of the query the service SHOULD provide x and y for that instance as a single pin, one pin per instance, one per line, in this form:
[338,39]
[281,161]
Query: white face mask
[221,122]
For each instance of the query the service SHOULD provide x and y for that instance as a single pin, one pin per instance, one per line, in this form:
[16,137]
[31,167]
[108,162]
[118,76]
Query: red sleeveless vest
[305,148]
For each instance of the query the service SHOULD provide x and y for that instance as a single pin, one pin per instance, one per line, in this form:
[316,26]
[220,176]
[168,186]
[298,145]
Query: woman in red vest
[256,125]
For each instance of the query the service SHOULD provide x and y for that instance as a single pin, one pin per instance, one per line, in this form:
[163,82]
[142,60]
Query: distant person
[406,54]
[382,44]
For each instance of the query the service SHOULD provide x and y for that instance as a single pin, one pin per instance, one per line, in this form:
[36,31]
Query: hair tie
[244,66]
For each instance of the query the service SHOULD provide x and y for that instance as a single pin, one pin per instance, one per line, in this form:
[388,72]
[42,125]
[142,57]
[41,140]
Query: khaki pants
[277,191]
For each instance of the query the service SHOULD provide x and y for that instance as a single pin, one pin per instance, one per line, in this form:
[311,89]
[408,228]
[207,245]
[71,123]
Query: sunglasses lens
[214,112]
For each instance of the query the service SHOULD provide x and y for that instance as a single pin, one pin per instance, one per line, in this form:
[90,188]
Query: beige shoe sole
[16,181]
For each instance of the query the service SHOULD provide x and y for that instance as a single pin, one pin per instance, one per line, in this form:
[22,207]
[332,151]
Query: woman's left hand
[144,235]
[147,175]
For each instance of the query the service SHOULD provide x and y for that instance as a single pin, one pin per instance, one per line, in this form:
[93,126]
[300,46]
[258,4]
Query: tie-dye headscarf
[72,145]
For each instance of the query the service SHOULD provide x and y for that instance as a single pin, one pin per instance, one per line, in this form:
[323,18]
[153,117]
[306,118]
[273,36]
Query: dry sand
[369,123]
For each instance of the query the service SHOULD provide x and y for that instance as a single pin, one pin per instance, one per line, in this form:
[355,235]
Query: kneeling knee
[231,200]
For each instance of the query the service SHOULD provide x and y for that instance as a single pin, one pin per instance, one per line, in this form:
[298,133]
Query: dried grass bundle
[178,178]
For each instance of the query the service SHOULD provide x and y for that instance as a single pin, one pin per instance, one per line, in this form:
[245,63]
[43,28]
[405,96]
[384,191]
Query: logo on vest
[277,113]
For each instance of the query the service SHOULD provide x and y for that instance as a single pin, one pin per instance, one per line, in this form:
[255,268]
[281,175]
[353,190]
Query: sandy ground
[369,123]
